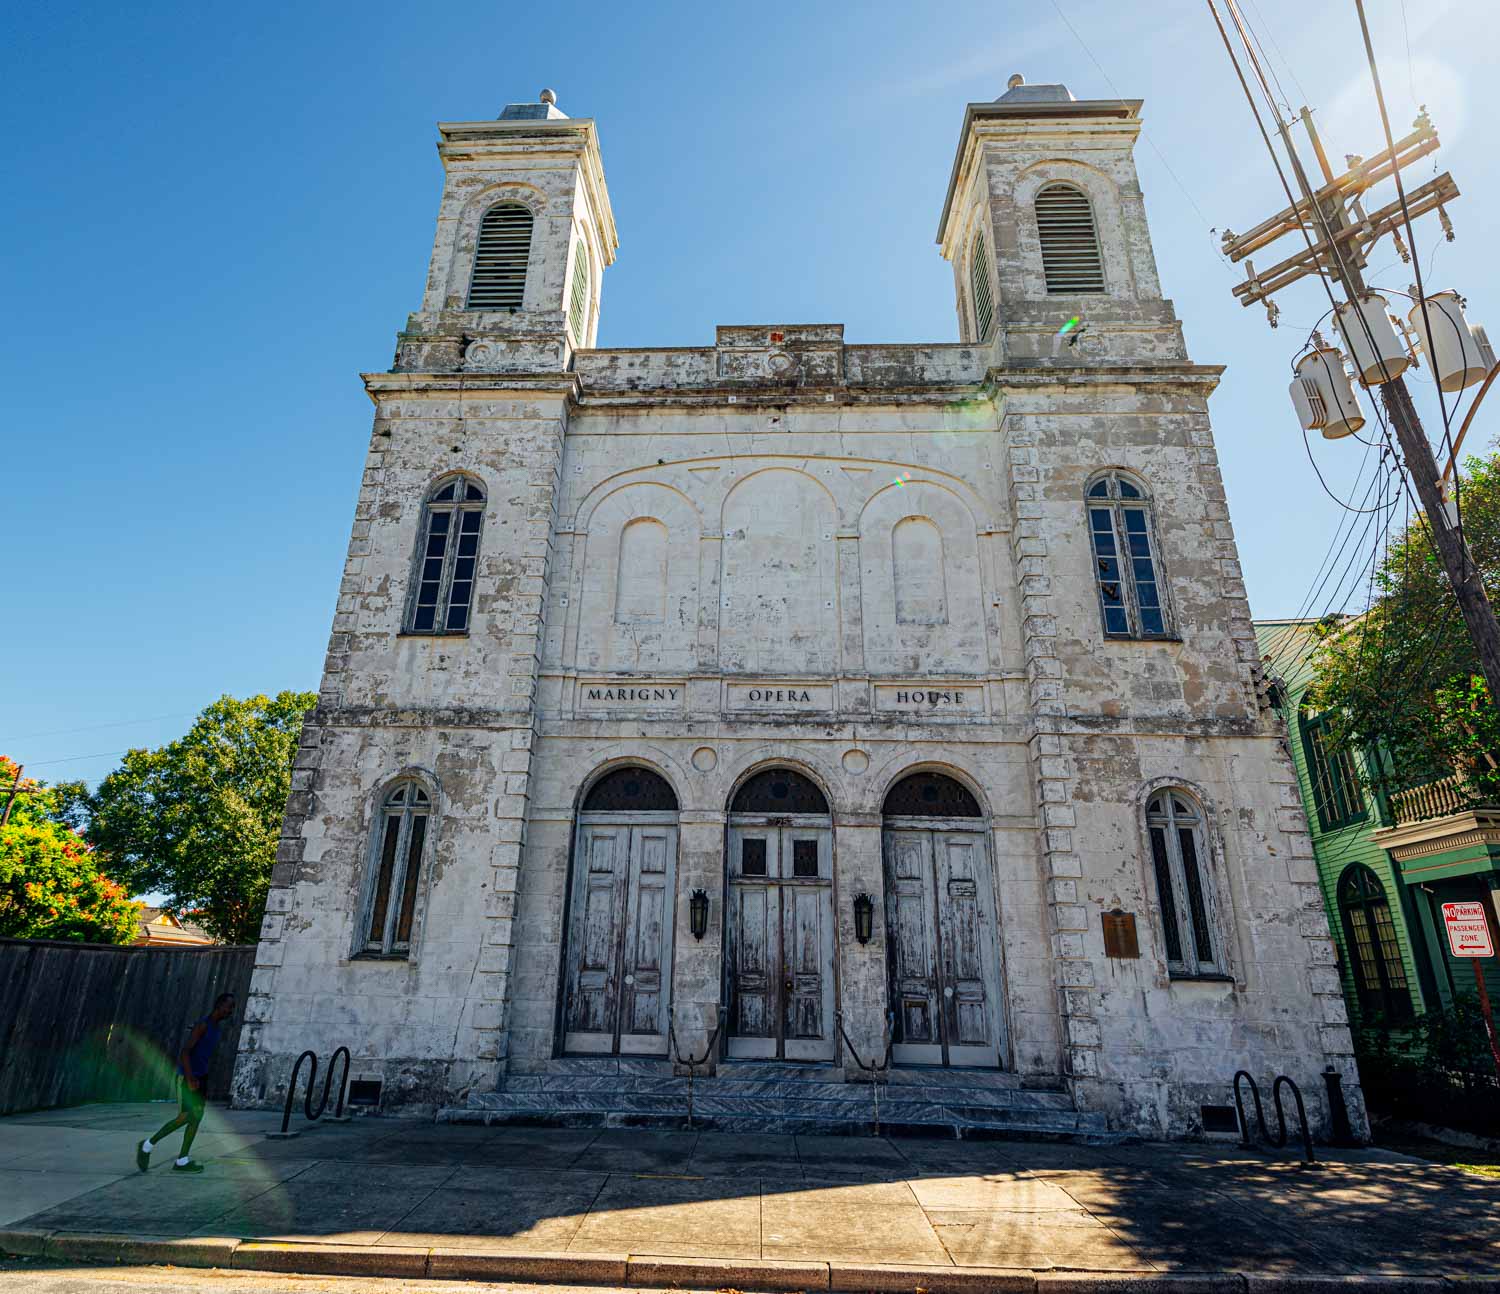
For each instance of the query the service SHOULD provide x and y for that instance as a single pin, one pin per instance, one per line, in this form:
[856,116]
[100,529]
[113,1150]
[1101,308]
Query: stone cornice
[562,385]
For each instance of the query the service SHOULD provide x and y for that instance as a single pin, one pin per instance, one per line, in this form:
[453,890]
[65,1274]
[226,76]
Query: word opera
[637,735]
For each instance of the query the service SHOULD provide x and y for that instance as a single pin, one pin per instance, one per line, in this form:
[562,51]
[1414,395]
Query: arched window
[779,790]
[917,566]
[501,255]
[1180,861]
[1330,769]
[1125,563]
[578,297]
[979,288]
[395,871]
[1370,940]
[638,790]
[1071,263]
[447,557]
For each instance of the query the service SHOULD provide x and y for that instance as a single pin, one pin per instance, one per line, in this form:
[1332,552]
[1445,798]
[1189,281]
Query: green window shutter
[979,288]
[578,298]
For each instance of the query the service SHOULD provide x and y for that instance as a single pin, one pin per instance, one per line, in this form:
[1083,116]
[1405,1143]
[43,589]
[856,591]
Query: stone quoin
[925,664]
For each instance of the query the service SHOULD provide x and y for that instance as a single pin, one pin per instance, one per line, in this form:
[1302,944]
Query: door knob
[788,986]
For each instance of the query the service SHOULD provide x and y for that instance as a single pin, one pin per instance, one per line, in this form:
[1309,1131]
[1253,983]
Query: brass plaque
[1119,934]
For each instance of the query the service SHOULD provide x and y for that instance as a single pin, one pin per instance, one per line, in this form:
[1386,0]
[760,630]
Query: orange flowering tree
[51,886]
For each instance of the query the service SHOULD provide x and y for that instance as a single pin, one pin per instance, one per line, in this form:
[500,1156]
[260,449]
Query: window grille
[930,795]
[1180,861]
[1330,769]
[501,257]
[979,288]
[396,867]
[634,790]
[1131,597]
[1373,949]
[1071,263]
[779,790]
[578,301]
[447,558]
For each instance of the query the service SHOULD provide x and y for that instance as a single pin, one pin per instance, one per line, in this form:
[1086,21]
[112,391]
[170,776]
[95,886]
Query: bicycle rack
[338,1116]
[692,1064]
[1309,1160]
[878,1073]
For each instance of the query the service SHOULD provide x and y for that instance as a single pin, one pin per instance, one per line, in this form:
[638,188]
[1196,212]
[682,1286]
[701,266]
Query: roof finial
[1015,80]
[548,96]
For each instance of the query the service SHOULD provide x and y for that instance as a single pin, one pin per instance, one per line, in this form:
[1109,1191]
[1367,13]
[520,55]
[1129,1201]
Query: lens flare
[1069,326]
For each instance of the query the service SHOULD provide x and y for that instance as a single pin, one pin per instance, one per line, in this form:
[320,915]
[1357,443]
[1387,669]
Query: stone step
[944,1122]
[729,1085]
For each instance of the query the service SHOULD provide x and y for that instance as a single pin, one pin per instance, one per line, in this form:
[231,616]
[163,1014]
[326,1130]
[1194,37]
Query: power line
[95,727]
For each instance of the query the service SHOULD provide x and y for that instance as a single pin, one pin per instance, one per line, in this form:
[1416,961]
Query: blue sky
[217,218]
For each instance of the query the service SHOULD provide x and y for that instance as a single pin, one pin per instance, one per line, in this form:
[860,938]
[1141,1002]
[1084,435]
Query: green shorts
[191,1102]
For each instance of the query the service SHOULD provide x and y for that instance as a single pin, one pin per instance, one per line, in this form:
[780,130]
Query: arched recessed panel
[917,563]
[930,795]
[632,789]
[779,790]
[641,581]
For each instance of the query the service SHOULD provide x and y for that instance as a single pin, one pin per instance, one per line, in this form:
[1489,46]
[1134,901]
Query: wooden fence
[96,1022]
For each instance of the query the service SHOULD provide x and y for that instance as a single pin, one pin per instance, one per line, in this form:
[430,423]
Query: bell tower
[524,234]
[1044,223]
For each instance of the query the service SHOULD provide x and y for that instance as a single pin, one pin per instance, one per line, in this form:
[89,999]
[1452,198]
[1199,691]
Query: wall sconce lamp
[864,917]
[698,913]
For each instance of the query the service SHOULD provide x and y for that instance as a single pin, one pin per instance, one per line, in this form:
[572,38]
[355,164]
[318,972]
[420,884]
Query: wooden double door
[619,967]
[941,950]
[780,939]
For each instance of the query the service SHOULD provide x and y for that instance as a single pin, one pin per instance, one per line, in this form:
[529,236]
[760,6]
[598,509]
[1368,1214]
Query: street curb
[329,1260]
[497,1265]
[766,1276]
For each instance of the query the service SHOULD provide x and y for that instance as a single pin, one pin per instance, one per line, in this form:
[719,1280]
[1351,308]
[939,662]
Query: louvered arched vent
[979,286]
[578,297]
[1070,241]
[500,259]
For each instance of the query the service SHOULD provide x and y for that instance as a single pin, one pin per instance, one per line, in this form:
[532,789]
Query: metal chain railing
[688,1060]
[1280,1139]
[878,1073]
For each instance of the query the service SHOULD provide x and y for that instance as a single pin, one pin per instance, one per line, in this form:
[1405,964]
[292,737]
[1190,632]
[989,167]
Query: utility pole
[1337,248]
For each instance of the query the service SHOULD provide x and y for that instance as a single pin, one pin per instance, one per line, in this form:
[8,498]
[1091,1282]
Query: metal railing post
[291,1093]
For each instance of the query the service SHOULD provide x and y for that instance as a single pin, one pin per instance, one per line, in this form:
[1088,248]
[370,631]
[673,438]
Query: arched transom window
[1125,560]
[979,288]
[779,790]
[447,558]
[395,871]
[1180,862]
[1071,263]
[502,253]
[1373,949]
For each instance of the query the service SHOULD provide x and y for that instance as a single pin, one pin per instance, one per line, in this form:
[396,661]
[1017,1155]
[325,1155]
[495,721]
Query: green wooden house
[1386,862]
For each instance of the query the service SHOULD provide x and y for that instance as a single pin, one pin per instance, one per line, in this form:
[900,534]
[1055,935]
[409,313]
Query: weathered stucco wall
[852,561]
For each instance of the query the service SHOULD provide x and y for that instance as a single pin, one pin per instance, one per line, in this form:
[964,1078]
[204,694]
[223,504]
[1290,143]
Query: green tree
[51,885]
[1404,678]
[198,820]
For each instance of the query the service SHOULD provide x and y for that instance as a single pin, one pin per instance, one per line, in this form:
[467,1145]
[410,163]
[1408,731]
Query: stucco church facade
[796,708]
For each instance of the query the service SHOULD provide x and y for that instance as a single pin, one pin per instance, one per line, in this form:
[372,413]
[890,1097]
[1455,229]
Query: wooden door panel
[648,948]
[969,972]
[912,951]
[593,995]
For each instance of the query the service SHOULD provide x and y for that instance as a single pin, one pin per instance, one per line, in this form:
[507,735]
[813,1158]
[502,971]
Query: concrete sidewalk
[400,1198]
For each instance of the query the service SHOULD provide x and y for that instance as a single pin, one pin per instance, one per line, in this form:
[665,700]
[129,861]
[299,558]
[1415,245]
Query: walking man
[192,1071]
